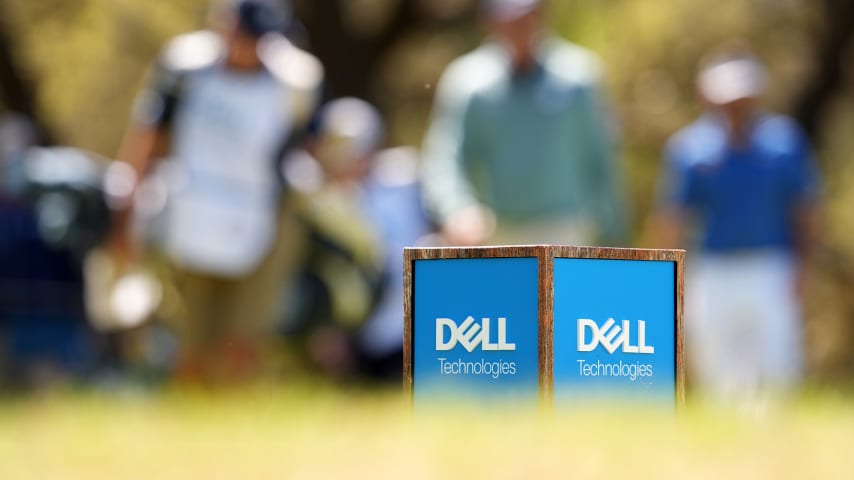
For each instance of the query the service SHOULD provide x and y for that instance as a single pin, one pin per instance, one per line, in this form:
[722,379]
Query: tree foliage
[75,66]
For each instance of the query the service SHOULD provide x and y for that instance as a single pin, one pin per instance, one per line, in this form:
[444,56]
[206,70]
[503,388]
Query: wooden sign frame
[545,255]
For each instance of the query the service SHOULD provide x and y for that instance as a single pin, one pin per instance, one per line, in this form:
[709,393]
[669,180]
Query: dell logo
[470,334]
[611,336]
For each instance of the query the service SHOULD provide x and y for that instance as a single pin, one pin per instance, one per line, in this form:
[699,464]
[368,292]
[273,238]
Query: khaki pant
[213,309]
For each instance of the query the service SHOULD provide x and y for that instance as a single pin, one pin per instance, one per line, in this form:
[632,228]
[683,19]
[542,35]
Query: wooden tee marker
[558,323]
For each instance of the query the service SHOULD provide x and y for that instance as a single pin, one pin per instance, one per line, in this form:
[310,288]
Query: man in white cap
[745,179]
[519,149]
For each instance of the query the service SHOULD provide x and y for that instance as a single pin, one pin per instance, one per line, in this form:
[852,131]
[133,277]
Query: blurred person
[392,199]
[17,136]
[744,180]
[49,210]
[520,149]
[362,205]
[222,106]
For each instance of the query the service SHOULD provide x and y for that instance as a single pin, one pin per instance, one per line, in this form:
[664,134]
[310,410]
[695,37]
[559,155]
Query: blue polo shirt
[744,198]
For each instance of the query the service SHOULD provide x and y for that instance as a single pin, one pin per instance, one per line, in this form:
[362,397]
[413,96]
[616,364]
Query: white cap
[350,129]
[355,120]
[732,79]
[509,9]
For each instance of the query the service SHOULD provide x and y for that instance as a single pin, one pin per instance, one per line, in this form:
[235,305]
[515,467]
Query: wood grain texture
[606,253]
[546,325]
[545,255]
[680,332]
[410,255]
[474,252]
[677,257]
[408,314]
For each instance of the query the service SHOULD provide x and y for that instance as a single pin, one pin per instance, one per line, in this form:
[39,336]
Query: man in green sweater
[519,149]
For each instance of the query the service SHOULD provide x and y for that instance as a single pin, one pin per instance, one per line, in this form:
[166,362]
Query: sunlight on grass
[315,432]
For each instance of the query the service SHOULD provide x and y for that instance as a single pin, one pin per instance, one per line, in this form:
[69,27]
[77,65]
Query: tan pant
[214,309]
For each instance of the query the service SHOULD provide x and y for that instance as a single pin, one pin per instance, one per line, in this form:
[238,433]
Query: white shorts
[742,324]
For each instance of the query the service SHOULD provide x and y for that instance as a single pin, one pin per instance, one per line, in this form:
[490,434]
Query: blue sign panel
[475,327]
[614,329]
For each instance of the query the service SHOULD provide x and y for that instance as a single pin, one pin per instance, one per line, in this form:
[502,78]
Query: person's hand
[120,185]
[469,226]
[120,248]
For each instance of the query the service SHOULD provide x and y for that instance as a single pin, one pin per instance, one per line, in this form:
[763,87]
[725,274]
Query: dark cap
[260,17]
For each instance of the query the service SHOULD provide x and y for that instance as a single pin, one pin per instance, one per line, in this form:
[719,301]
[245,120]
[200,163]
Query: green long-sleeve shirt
[530,147]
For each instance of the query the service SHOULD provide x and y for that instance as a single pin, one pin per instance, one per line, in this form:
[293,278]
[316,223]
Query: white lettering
[471,335]
[611,336]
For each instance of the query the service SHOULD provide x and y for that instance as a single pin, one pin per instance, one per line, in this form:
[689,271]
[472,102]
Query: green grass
[316,432]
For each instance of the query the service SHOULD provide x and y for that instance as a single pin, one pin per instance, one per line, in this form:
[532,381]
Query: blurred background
[74,320]
[70,71]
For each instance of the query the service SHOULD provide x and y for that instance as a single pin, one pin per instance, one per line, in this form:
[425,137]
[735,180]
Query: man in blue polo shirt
[745,180]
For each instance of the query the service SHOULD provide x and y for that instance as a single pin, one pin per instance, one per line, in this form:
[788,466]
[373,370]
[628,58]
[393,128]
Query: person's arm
[137,151]
[144,141]
[676,195]
[448,193]
[667,227]
[805,223]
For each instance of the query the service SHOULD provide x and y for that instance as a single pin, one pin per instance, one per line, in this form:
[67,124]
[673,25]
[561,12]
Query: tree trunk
[351,60]
[826,79]
[16,92]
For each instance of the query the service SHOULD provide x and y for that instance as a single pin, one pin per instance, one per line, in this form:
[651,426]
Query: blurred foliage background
[75,67]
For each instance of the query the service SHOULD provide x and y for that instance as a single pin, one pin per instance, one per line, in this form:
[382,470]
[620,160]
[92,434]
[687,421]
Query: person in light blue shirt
[361,204]
[520,149]
[745,181]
